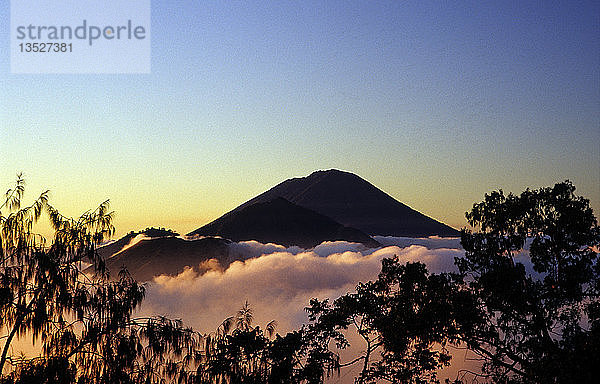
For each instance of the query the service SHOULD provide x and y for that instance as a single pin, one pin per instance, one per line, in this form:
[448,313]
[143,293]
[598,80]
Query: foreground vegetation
[524,329]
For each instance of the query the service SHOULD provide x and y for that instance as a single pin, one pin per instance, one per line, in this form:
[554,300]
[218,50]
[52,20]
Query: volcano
[344,198]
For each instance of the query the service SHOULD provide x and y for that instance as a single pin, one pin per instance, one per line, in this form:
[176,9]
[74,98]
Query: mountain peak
[331,171]
[354,202]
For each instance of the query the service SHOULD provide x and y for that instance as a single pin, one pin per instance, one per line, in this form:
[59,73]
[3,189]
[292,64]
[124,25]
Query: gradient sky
[434,103]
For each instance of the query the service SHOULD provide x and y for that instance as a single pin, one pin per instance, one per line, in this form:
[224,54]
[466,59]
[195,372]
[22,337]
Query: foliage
[158,232]
[84,323]
[245,354]
[536,328]
[525,327]
[407,314]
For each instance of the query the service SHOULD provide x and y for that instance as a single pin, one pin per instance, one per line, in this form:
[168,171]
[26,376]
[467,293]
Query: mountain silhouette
[324,206]
[168,256]
[108,250]
[282,222]
[351,201]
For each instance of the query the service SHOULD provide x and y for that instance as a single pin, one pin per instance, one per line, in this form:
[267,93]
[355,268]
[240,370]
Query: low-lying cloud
[279,282]
[433,242]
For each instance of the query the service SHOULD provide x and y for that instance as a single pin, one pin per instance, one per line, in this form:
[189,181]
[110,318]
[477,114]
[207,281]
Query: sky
[435,103]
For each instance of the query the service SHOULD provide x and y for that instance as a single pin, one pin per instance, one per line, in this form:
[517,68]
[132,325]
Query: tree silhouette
[246,354]
[244,317]
[535,328]
[83,323]
[525,328]
[407,315]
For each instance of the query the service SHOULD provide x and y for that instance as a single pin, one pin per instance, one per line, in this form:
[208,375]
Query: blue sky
[435,103]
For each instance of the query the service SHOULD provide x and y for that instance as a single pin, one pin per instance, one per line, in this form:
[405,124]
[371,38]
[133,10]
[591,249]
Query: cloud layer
[279,282]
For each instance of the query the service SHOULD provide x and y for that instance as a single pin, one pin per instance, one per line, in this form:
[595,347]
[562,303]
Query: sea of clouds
[279,282]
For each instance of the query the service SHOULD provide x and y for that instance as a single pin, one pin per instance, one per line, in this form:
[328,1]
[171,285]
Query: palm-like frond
[16,228]
[225,326]
[13,196]
[270,328]
[244,317]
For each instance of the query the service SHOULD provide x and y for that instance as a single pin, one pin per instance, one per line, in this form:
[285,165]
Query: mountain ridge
[168,255]
[283,222]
